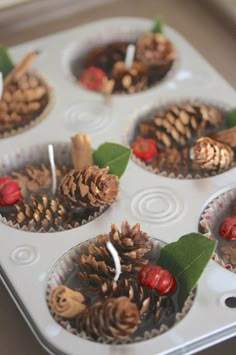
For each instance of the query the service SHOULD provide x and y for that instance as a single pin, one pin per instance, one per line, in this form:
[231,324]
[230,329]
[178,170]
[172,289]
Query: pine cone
[37,178]
[212,155]
[39,211]
[155,49]
[179,124]
[115,318]
[89,187]
[96,262]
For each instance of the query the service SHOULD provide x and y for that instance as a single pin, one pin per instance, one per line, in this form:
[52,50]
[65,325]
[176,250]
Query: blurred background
[209,25]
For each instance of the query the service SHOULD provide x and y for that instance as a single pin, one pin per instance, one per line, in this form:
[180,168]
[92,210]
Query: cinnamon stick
[81,151]
[227,136]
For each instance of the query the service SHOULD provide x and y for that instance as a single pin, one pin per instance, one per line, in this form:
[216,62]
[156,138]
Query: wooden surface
[208,33]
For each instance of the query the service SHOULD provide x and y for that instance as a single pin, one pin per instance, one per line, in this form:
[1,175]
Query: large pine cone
[212,155]
[39,211]
[115,318]
[89,187]
[96,262]
[179,124]
[154,49]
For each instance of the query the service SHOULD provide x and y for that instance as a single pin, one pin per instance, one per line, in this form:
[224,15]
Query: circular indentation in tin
[25,255]
[157,205]
[88,117]
[230,302]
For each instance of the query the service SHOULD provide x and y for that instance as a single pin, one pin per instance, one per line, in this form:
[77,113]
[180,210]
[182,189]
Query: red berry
[228,228]
[145,148]
[153,276]
[9,191]
[92,78]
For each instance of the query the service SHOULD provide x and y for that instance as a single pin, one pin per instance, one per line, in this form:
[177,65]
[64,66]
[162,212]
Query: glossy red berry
[9,191]
[153,276]
[228,228]
[144,148]
[93,78]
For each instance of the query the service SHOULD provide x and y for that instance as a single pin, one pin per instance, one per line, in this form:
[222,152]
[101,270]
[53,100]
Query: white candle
[116,260]
[53,168]
[129,57]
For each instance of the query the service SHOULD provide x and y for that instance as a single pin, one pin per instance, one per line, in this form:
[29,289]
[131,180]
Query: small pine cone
[212,155]
[40,211]
[155,49]
[179,124]
[89,187]
[115,318]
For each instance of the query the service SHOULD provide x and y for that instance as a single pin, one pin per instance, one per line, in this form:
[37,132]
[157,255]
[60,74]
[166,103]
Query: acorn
[9,191]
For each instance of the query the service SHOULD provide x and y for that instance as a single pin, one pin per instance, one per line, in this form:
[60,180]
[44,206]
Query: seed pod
[228,228]
[9,191]
[155,277]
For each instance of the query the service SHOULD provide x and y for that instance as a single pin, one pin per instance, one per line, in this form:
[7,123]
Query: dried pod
[89,187]
[228,228]
[9,191]
[212,155]
[115,318]
[155,277]
[65,302]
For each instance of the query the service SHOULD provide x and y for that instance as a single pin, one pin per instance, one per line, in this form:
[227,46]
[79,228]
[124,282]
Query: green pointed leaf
[231,118]
[186,259]
[157,26]
[114,155]
[6,64]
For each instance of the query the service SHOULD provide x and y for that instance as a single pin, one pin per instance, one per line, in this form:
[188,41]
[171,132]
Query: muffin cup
[36,155]
[61,274]
[41,116]
[212,217]
[149,112]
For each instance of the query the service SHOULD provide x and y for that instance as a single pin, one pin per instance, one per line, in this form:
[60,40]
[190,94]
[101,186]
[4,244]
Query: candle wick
[1,85]
[129,57]
[116,260]
[53,168]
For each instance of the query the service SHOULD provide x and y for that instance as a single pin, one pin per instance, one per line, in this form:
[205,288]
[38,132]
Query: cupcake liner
[32,156]
[212,217]
[41,116]
[76,52]
[150,111]
[61,274]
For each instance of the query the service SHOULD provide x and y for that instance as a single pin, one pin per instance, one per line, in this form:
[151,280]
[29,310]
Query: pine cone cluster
[115,318]
[89,187]
[96,262]
[212,155]
[39,211]
[22,101]
[179,124]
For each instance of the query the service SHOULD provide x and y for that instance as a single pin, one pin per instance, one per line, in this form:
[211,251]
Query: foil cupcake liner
[212,217]
[32,156]
[76,51]
[41,116]
[64,268]
[139,115]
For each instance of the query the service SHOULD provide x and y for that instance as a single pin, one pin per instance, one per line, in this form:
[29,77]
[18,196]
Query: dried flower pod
[89,187]
[155,277]
[228,228]
[93,78]
[66,303]
[115,318]
[145,148]
[9,191]
[212,155]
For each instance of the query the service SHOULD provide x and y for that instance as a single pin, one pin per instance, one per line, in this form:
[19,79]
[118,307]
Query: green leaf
[231,118]
[186,259]
[157,26]
[114,155]
[6,64]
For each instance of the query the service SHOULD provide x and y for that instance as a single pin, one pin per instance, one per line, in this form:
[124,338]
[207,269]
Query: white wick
[116,259]
[53,168]
[1,85]
[129,57]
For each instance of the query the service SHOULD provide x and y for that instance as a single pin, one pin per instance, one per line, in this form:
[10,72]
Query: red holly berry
[153,276]
[9,191]
[228,228]
[145,148]
[92,78]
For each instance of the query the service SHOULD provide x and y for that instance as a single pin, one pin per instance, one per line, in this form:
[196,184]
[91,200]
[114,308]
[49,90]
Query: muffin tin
[166,208]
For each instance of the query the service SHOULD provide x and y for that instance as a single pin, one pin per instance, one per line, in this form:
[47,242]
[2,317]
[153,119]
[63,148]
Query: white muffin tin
[166,208]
